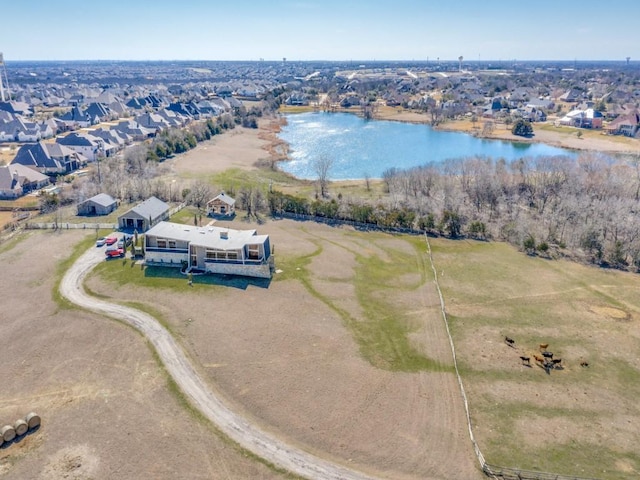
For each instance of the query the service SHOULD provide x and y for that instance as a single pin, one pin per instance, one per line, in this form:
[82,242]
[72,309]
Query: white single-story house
[221,205]
[209,250]
[100,204]
[144,215]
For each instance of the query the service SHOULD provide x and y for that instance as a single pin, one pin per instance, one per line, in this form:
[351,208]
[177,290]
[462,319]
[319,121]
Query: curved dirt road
[194,388]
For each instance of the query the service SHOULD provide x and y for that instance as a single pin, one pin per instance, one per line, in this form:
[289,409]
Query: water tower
[4,82]
[628,60]
[460,58]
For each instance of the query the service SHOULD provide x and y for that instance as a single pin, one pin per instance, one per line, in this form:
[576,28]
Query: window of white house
[254,251]
[162,243]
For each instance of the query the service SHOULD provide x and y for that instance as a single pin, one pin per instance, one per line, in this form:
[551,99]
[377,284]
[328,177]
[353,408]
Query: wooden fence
[504,473]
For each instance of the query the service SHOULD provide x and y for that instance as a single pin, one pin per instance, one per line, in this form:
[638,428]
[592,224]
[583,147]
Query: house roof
[224,198]
[28,175]
[101,199]
[208,237]
[43,155]
[152,207]
[7,179]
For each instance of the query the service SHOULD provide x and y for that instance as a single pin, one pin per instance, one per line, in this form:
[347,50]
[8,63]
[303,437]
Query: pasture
[573,419]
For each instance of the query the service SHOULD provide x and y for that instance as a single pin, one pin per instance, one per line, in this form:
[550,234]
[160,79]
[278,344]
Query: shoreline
[544,132]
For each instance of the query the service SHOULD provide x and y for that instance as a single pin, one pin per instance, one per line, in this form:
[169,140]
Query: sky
[319,30]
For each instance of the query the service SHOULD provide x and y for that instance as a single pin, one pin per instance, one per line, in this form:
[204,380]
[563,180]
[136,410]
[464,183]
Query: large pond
[361,148]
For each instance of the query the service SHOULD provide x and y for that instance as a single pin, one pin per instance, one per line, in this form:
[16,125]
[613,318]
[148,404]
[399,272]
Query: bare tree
[199,194]
[322,167]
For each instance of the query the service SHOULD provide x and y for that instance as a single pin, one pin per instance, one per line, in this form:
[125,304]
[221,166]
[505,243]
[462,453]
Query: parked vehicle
[114,252]
[101,241]
[125,241]
[111,240]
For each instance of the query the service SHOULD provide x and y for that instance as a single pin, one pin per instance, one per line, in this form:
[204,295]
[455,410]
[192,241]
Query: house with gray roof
[89,146]
[48,158]
[144,215]
[209,250]
[221,205]
[100,204]
[17,180]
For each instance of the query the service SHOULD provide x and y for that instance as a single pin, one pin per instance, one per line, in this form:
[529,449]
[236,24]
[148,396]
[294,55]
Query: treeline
[585,207]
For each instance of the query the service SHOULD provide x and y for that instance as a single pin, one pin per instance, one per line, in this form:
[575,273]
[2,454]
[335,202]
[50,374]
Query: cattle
[548,355]
[538,358]
[509,341]
[525,360]
[556,361]
[584,363]
[544,346]
[548,366]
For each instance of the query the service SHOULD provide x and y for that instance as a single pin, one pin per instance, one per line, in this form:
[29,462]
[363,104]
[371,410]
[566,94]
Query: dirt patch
[238,148]
[614,313]
[74,463]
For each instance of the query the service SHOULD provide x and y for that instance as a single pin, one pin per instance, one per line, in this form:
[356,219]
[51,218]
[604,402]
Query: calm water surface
[362,148]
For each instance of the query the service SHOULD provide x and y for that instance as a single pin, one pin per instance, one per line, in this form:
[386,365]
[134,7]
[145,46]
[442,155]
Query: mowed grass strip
[576,420]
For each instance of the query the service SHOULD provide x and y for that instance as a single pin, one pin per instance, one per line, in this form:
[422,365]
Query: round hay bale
[20,427]
[33,420]
[8,433]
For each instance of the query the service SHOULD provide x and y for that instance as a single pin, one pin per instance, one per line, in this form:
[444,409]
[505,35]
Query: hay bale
[20,427]
[8,433]
[33,420]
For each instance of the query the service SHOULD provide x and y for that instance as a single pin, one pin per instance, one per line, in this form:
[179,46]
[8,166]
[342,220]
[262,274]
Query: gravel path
[194,388]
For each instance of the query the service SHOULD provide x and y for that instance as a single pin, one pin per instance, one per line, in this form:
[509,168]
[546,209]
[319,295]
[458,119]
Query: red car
[114,252]
[111,240]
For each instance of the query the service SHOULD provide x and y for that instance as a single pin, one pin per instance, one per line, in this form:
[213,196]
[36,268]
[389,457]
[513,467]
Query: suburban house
[17,180]
[76,118]
[209,250]
[48,158]
[144,215]
[627,125]
[221,205]
[90,146]
[101,204]
[588,118]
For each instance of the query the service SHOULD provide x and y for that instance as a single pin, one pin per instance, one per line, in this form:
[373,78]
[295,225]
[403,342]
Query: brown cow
[538,358]
[544,346]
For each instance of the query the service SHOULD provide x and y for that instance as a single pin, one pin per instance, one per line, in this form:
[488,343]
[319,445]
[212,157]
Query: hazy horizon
[312,30]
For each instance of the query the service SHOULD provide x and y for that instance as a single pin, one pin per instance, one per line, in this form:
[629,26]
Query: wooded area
[584,207]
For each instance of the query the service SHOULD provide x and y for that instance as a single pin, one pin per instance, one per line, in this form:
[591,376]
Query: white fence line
[476,448]
[70,226]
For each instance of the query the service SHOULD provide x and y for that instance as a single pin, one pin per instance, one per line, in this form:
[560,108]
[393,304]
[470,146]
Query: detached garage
[144,215]
[101,204]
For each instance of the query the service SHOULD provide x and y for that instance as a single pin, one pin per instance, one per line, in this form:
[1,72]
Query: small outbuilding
[101,204]
[222,205]
[144,215]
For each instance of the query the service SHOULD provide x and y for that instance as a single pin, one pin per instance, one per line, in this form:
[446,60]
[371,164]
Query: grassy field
[576,420]
[573,420]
